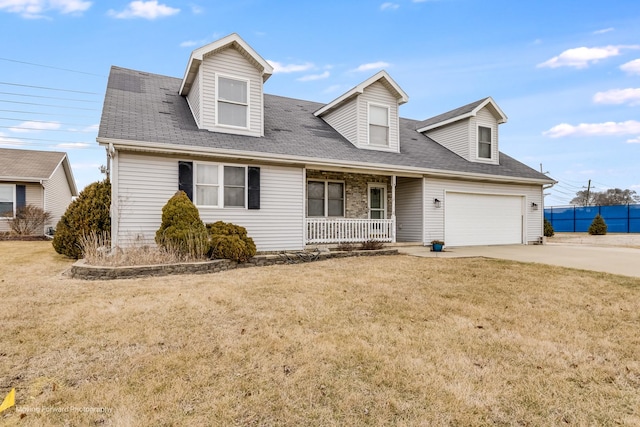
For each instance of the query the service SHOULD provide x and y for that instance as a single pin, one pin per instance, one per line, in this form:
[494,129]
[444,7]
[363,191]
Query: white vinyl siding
[454,137]
[344,121]
[193,99]
[57,195]
[229,63]
[409,217]
[378,94]
[437,188]
[147,182]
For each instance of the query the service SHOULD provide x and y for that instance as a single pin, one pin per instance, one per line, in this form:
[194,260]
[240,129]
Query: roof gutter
[309,161]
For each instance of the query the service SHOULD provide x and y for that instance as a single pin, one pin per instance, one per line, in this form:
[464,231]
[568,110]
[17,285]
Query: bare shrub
[346,247]
[29,220]
[371,245]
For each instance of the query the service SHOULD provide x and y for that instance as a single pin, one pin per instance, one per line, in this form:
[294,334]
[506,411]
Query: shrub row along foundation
[81,270]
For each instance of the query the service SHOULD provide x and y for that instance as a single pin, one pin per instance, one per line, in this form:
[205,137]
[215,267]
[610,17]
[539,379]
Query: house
[298,173]
[40,178]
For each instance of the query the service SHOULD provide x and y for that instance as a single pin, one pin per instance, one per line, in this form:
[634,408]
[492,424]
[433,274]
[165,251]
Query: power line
[52,67]
[48,97]
[49,130]
[40,121]
[46,114]
[48,88]
[39,139]
[48,105]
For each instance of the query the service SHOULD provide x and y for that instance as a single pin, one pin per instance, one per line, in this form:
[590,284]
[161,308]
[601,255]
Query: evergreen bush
[548,228]
[182,231]
[230,241]
[87,214]
[598,227]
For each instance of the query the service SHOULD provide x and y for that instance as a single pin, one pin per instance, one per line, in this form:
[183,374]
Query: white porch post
[393,208]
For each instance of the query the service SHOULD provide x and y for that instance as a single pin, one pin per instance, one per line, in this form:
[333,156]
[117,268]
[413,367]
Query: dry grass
[359,341]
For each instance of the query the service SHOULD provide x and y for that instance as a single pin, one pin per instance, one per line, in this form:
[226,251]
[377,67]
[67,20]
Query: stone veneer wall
[356,190]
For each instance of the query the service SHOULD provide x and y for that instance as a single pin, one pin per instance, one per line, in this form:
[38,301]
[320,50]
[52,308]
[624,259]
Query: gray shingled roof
[28,164]
[465,109]
[146,107]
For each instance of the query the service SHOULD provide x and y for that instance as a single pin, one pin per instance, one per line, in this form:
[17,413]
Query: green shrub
[598,227]
[548,228]
[230,241]
[89,213]
[182,231]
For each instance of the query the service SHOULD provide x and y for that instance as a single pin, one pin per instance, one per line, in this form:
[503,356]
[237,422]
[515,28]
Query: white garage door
[482,219]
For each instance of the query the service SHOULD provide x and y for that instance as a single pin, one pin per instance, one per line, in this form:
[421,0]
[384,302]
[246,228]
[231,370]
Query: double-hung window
[7,200]
[484,142]
[378,125]
[233,102]
[220,185]
[325,198]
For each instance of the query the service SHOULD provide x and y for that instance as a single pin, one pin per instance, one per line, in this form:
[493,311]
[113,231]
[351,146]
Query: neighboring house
[297,172]
[40,178]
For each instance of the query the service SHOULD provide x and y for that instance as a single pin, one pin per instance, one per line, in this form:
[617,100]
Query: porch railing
[349,230]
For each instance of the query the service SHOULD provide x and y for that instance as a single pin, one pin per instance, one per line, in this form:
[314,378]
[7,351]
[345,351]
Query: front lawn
[391,340]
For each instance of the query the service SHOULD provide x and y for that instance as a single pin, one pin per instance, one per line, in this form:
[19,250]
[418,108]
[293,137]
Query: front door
[377,201]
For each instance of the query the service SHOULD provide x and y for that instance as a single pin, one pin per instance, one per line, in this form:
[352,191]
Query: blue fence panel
[619,219]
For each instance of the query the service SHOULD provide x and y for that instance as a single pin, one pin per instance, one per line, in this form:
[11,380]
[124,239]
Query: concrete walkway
[616,260]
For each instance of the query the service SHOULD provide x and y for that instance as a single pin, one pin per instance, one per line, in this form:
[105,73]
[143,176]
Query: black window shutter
[21,196]
[254,187]
[185,178]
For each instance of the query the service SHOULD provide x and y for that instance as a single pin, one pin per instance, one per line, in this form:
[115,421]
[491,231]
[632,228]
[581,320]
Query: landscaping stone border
[82,270]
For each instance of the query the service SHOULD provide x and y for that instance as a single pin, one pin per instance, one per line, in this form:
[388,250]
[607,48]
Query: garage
[482,219]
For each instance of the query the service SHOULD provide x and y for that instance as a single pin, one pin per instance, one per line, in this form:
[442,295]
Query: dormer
[470,131]
[367,115]
[223,84]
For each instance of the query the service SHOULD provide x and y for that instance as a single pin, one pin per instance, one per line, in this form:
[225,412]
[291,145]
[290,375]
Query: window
[325,198]
[484,142]
[233,103]
[6,200]
[378,125]
[218,183]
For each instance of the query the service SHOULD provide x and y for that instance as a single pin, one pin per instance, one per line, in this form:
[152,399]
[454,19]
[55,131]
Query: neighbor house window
[6,200]
[220,186]
[378,125]
[233,102]
[484,142]
[325,198]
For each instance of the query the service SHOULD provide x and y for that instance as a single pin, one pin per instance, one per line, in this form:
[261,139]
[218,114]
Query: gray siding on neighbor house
[57,195]
[230,63]
[344,120]
[193,98]
[33,196]
[380,95]
[455,137]
[147,182]
[437,188]
[409,216]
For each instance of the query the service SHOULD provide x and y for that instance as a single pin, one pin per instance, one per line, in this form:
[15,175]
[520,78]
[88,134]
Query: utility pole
[588,191]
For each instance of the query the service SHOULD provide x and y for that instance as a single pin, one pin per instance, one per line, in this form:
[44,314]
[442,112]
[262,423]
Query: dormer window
[233,102]
[484,142]
[378,125]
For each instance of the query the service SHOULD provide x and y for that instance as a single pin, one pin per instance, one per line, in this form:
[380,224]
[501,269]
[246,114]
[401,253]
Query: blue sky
[566,73]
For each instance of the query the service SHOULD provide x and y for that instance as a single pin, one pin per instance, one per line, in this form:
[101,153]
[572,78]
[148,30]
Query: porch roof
[146,108]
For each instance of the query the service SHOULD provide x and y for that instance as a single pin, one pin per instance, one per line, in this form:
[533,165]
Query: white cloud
[189,43]
[389,6]
[629,127]
[372,66]
[278,67]
[582,57]
[332,88]
[629,96]
[25,127]
[634,141]
[72,145]
[37,8]
[144,9]
[632,67]
[8,141]
[604,30]
[312,77]
[195,9]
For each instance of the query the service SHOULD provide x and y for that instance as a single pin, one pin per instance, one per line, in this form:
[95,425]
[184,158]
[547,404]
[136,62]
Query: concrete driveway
[616,260]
